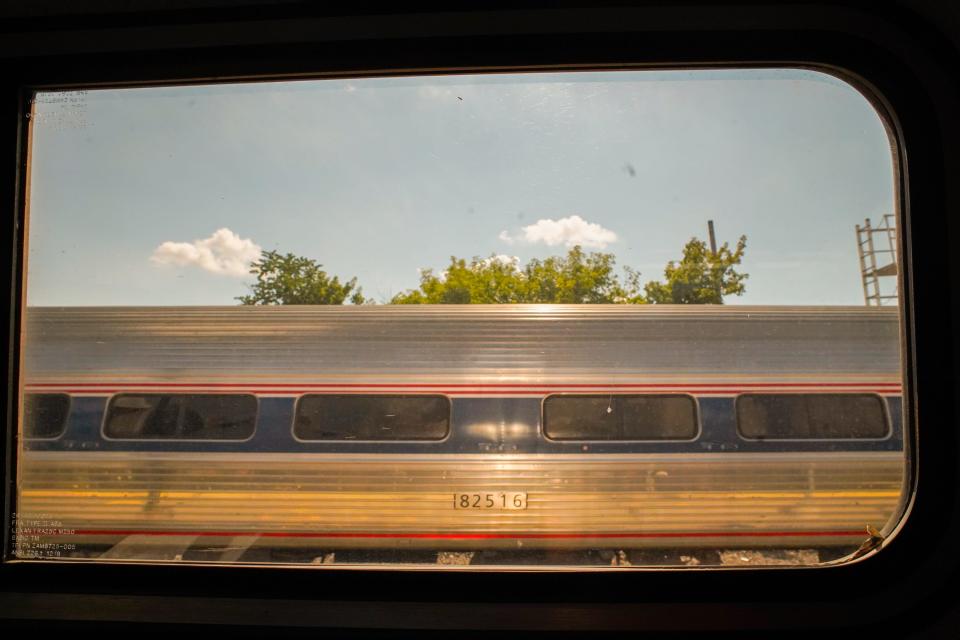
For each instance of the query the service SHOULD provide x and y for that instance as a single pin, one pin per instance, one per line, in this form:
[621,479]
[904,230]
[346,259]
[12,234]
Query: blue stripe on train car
[478,425]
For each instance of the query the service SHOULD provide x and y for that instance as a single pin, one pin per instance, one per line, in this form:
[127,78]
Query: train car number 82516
[497,500]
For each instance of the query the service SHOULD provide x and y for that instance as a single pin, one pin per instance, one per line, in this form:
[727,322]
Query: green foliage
[700,277]
[576,278]
[290,279]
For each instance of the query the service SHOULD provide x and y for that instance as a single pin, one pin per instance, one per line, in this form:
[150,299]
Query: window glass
[619,417]
[811,416]
[355,417]
[181,417]
[366,320]
[45,414]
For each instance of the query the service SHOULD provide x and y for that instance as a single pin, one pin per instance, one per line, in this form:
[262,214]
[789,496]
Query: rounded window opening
[553,318]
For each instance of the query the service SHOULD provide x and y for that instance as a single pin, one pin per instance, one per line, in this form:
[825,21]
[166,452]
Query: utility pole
[713,254]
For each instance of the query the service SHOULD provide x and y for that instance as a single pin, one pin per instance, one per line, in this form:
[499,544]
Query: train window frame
[895,148]
[894,591]
[66,418]
[893,158]
[113,396]
[421,441]
[884,408]
[697,415]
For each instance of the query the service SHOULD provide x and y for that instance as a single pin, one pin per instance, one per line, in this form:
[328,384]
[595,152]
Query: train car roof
[470,342]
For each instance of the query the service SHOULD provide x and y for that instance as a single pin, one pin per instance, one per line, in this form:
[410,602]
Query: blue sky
[131,189]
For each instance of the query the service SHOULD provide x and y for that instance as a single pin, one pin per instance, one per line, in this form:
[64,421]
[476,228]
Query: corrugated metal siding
[614,495]
[397,343]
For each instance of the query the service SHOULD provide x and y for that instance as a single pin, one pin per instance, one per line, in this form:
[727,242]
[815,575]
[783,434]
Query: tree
[290,279]
[581,278]
[701,276]
[576,278]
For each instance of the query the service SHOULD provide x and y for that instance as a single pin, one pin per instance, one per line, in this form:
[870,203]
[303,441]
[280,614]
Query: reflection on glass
[616,417]
[372,418]
[181,417]
[823,416]
[45,414]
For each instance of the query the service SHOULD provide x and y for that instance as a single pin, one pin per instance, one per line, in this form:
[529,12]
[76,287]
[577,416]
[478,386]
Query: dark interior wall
[907,51]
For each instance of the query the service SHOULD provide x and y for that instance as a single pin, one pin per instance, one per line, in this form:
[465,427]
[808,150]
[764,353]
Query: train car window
[619,417]
[481,318]
[372,418]
[811,416]
[180,417]
[45,414]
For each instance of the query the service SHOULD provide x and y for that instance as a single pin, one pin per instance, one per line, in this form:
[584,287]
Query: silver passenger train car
[472,427]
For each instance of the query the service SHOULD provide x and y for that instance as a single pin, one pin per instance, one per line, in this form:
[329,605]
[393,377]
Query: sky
[163,195]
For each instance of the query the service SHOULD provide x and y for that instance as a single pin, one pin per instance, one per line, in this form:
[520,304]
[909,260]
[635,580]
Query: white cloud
[223,253]
[570,231]
[510,261]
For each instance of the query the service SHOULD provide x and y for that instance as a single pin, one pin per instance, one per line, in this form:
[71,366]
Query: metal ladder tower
[878,260]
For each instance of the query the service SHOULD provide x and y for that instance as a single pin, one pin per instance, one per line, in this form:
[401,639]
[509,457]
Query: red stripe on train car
[722,385]
[470,390]
[454,393]
[458,392]
[474,536]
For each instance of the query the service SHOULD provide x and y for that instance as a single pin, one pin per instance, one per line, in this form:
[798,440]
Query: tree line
[701,276]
